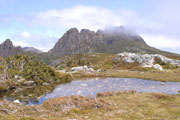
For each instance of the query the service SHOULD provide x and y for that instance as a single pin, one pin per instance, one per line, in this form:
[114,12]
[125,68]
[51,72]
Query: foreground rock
[146,60]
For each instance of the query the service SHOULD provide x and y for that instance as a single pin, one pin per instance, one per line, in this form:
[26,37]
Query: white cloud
[41,42]
[160,29]
[25,34]
[163,42]
[80,16]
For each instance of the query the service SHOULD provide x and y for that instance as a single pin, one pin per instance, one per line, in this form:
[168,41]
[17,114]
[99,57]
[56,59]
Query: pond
[91,87]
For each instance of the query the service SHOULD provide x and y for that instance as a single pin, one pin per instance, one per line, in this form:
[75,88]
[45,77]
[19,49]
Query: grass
[122,106]
[165,76]
[119,106]
[97,60]
[112,69]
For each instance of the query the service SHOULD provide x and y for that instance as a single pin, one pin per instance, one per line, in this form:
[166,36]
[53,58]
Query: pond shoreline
[90,87]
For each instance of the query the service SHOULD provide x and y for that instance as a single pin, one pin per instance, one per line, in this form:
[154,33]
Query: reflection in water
[93,86]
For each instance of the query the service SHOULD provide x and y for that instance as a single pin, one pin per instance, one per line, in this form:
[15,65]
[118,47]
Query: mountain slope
[8,49]
[112,40]
[31,50]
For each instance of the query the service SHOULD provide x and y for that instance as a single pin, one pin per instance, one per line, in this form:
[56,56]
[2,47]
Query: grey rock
[75,42]
[7,49]
[99,70]
[45,84]
[82,68]
[17,101]
[28,83]
[145,60]
[18,90]
[158,67]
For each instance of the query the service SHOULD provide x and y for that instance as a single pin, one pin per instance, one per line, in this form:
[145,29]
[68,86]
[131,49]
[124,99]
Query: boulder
[145,60]
[82,68]
[17,101]
[45,84]
[28,83]
[158,67]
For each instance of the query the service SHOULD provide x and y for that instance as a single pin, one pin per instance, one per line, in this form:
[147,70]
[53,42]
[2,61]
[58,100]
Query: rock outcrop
[113,40]
[75,42]
[146,60]
[8,49]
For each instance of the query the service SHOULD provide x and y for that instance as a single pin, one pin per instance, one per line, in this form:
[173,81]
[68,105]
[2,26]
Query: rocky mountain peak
[7,49]
[110,40]
[73,30]
[7,43]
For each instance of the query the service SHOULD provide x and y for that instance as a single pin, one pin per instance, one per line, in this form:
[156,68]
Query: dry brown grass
[123,106]
[165,76]
[76,102]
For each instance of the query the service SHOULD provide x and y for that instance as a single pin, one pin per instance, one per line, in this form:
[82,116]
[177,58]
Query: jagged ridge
[113,40]
[8,49]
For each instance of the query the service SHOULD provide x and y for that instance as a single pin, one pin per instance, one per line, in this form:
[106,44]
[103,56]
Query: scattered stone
[141,73]
[82,68]
[45,84]
[3,78]
[99,70]
[17,101]
[162,83]
[17,77]
[18,90]
[158,67]
[28,83]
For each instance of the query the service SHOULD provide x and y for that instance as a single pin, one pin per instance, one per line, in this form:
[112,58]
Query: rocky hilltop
[8,49]
[112,40]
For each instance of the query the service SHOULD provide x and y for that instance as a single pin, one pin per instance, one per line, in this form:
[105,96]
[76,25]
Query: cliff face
[7,49]
[75,42]
[114,40]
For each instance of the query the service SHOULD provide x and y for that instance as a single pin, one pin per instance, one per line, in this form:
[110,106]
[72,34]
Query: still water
[91,87]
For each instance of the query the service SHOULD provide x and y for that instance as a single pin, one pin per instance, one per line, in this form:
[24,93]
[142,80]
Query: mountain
[112,40]
[75,42]
[8,49]
[31,50]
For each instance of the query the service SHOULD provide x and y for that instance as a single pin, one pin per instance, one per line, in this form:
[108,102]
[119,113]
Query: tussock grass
[123,106]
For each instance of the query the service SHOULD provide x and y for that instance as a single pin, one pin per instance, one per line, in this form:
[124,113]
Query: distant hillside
[32,50]
[112,40]
[8,49]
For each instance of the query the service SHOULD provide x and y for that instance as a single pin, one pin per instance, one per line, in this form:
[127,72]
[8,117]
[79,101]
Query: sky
[40,23]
